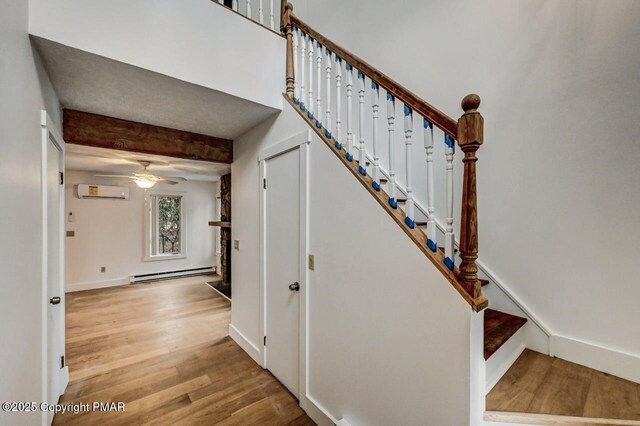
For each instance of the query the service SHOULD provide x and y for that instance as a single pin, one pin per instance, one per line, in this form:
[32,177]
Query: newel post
[288,33]
[470,135]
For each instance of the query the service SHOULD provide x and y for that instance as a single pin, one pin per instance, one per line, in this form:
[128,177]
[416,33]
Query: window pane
[169,224]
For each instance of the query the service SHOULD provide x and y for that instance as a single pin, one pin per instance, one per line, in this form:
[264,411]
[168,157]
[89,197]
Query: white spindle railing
[431,223]
[303,57]
[449,236]
[362,157]
[271,20]
[408,130]
[338,134]
[327,119]
[319,83]
[310,91]
[349,71]
[260,19]
[296,83]
[391,118]
[375,106]
[307,55]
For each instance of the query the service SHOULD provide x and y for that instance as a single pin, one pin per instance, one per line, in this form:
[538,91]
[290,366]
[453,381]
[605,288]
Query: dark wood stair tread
[498,328]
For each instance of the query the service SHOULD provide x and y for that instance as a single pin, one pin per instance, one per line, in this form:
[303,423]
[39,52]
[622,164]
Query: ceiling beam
[83,128]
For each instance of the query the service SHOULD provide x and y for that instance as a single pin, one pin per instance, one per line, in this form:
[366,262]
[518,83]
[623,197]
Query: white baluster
[448,236]
[310,97]
[338,135]
[408,130]
[234,5]
[248,8]
[375,105]
[303,59]
[327,120]
[362,168]
[349,71]
[319,82]
[431,223]
[271,22]
[260,12]
[296,77]
[391,118]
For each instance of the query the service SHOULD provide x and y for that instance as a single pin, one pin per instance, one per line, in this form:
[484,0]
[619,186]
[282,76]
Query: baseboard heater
[172,274]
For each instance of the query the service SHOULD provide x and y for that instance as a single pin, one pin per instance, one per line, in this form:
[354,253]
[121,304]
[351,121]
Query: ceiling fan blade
[116,176]
[178,178]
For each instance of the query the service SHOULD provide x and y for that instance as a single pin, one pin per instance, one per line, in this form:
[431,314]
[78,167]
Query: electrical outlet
[236,244]
[312,262]
[103,269]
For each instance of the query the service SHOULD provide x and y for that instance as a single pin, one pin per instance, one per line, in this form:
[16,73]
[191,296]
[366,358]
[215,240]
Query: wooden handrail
[422,107]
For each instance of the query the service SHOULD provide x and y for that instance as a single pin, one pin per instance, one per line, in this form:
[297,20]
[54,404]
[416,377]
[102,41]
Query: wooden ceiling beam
[83,128]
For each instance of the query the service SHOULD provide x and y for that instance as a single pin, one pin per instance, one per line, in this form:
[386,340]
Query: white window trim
[148,226]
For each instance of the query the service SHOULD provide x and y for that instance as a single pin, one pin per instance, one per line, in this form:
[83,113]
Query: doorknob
[54,300]
[294,287]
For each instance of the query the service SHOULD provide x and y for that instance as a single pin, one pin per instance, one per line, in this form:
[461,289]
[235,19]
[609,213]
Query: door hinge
[265,340]
[264,183]
[62,361]
[61,178]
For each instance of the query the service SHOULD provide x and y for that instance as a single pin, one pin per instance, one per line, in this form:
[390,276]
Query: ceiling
[111,161]
[96,84]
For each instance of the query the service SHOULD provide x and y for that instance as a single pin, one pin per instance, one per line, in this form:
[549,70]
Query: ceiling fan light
[145,183]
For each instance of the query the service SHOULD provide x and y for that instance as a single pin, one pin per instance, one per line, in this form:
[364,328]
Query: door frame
[300,142]
[49,131]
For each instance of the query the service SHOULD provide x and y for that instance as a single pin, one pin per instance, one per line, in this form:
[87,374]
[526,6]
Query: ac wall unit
[103,191]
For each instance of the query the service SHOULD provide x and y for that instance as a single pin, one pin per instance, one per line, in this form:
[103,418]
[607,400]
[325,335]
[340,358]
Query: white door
[55,294]
[282,267]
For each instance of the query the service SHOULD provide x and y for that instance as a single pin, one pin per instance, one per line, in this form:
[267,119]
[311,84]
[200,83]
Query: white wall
[111,232]
[388,336]
[196,41]
[558,176]
[26,90]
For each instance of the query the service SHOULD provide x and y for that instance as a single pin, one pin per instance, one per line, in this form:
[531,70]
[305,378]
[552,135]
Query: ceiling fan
[146,179]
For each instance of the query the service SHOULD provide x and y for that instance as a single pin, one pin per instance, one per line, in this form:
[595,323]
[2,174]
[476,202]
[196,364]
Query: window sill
[164,257]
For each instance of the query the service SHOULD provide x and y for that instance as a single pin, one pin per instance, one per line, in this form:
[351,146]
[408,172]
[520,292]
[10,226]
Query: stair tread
[498,328]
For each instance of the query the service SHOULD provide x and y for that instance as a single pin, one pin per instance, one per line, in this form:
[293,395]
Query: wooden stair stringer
[398,215]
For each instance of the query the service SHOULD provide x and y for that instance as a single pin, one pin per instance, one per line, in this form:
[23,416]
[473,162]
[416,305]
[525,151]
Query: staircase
[372,125]
[457,264]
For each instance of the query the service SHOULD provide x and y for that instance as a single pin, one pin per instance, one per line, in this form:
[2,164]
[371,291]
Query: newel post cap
[471,124]
[470,103]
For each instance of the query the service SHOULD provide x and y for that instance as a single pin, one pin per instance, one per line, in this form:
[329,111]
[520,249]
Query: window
[165,227]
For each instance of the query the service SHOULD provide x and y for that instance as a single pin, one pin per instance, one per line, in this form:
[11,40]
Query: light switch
[312,262]
[71,233]
[236,244]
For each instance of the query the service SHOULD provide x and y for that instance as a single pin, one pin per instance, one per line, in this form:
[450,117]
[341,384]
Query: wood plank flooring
[162,348]
[540,384]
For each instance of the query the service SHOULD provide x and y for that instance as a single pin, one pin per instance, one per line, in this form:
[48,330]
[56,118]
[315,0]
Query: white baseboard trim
[617,363]
[65,380]
[245,344]
[91,285]
[318,413]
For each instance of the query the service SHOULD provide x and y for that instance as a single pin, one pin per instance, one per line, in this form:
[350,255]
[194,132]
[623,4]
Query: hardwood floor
[540,384]
[162,348]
